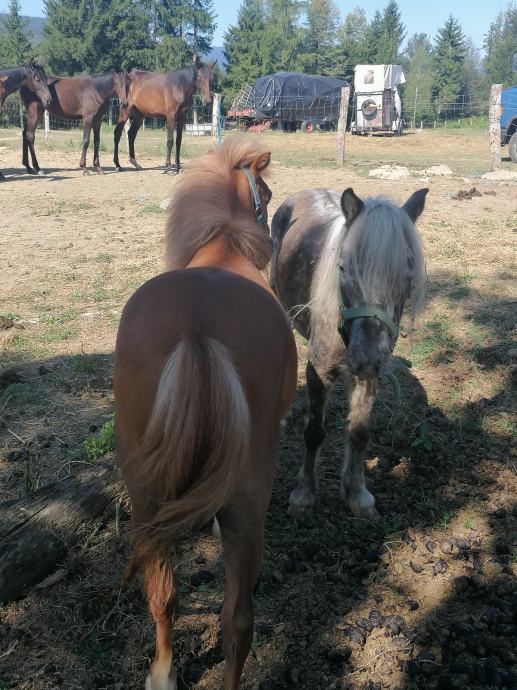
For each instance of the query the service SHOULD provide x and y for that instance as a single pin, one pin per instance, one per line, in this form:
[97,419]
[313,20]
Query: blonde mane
[206,206]
[381,253]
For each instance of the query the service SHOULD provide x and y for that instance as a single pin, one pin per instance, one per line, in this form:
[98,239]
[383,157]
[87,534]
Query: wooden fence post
[216,114]
[495,125]
[341,125]
[47,126]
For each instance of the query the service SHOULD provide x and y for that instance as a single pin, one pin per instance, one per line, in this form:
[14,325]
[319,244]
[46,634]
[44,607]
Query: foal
[345,268]
[205,368]
[30,77]
[74,98]
[166,95]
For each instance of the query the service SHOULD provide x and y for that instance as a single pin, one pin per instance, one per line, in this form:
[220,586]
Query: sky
[418,16]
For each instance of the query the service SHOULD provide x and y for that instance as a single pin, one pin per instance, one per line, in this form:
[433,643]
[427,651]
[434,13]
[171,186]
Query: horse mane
[183,76]
[204,206]
[15,73]
[103,83]
[379,252]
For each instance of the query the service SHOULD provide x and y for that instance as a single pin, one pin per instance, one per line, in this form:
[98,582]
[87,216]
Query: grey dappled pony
[344,268]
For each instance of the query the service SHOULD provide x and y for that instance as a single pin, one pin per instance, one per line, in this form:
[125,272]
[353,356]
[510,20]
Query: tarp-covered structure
[377,98]
[297,97]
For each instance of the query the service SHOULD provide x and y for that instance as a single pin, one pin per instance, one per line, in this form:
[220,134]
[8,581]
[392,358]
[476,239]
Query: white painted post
[126,130]
[495,125]
[341,124]
[216,109]
[47,126]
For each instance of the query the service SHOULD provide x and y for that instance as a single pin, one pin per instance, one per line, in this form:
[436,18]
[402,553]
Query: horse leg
[242,536]
[87,128]
[122,119]
[180,124]
[96,145]
[34,114]
[161,599]
[302,496]
[170,142]
[136,122]
[353,487]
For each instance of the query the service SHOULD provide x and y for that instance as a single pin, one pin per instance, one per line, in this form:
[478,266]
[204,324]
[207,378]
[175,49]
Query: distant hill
[217,53]
[35,25]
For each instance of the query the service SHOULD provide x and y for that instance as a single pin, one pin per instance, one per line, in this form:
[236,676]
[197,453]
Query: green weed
[103,442]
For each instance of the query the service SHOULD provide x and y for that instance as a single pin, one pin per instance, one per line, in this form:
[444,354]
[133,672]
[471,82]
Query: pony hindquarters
[192,457]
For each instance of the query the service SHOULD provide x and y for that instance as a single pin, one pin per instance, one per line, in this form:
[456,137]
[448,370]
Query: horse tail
[195,445]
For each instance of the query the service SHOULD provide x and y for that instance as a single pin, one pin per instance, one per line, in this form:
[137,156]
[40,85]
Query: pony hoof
[86,172]
[161,678]
[41,173]
[99,171]
[136,165]
[119,169]
[301,502]
[363,506]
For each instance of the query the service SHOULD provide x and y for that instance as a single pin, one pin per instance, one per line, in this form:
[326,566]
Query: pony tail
[195,445]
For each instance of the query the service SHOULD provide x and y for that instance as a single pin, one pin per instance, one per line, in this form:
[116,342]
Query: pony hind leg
[353,486]
[87,128]
[303,495]
[161,599]
[242,536]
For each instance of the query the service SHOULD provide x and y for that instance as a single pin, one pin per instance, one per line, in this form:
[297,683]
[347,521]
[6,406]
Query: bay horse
[166,95]
[344,268]
[31,77]
[74,98]
[205,368]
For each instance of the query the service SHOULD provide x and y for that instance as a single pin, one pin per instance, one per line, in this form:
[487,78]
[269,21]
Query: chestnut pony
[205,368]
[166,95]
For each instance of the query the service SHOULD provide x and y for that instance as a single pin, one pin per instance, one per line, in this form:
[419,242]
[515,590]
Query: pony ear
[197,60]
[415,204]
[213,64]
[351,205]
[261,162]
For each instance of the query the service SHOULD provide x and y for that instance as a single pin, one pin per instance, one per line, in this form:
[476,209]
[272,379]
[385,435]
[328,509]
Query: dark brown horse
[166,95]
[30,77]
[205,368]
[74,98]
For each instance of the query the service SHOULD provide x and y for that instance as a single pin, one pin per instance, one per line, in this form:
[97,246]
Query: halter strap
[259,215]
[372,312]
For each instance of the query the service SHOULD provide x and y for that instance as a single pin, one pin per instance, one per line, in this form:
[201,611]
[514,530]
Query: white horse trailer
[377,105]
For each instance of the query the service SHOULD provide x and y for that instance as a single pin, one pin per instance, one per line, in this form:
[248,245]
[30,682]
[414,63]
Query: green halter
[367,310]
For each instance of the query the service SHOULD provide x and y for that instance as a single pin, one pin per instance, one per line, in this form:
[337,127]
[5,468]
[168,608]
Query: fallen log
[37,531]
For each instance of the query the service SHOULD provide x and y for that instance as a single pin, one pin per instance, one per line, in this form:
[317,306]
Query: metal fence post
[495,125]
[341,125]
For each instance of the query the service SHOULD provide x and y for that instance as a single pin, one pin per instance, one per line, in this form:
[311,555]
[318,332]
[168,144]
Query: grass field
[443,464]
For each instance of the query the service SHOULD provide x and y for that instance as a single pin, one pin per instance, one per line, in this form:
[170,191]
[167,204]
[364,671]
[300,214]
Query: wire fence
[198,122]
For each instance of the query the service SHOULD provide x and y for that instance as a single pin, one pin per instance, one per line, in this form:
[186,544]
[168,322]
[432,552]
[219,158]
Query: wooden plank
[37,531]
[341,125]
[495,125]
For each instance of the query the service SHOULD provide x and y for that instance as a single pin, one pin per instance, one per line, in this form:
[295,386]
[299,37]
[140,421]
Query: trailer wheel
[307,126]
[512,147]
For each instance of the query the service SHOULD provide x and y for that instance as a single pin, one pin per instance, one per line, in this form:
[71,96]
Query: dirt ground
[426,597]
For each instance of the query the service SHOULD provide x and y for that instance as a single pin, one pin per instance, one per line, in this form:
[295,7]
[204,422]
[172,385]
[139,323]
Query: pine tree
[64,44]
[353,39]
[417,62]
[501,46]
[391,33]
[243,46]
[319,54]
[373,37]
[15,42]
[282,35]
[448,67]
